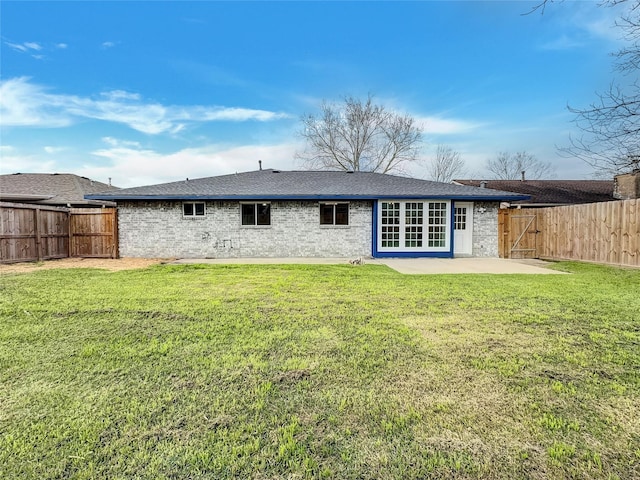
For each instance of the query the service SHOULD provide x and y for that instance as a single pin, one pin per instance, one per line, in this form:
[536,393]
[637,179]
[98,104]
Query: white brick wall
[158,229]
[485,229]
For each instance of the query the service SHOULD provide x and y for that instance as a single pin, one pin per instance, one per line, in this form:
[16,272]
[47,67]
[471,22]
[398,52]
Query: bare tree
[445,165]
[610,142]
[359,136]
[510,166]
[610,138]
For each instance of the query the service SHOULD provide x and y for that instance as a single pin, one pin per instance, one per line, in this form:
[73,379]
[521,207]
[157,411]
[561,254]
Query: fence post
[116,244]
[36,226]
[70,231]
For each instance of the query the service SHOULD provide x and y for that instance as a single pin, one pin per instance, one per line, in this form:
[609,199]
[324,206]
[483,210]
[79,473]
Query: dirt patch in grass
[110,264]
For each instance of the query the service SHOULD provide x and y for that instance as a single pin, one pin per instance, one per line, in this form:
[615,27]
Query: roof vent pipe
[260,164]
[522,172]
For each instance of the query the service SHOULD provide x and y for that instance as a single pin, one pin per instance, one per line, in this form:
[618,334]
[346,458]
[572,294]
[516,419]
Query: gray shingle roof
[51,188]
[275,184]
[553,192]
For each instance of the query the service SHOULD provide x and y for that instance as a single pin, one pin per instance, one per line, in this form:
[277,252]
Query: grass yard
[286,372]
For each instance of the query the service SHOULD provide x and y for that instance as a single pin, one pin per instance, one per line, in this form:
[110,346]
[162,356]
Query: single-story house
[52,189]
[273,213]
[550,193]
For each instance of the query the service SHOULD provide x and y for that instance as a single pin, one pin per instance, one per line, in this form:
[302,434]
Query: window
[390,224]
[414,226]
[256,214]
[193,209]
[460,222]
[334,214]
[437,224]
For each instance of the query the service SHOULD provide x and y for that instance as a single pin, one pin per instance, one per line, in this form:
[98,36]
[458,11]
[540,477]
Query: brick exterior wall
[627,186]
[159,230]
[485,229]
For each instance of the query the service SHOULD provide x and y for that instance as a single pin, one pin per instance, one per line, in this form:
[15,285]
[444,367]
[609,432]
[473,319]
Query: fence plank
[606,232]
[39,232]
[94,232]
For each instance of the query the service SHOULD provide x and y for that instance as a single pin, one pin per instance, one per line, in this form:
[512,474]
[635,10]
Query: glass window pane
[326,214]
[187,209]
[342,214]
[264,214]
[199,209]
[248,214]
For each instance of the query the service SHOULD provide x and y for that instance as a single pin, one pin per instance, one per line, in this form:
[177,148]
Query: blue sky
[148,92]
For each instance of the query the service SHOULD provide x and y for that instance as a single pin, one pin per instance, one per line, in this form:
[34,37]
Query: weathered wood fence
[39,232]
[607,232]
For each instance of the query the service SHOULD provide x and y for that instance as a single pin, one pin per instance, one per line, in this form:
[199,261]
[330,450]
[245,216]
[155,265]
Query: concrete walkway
[412,266]
[467,265]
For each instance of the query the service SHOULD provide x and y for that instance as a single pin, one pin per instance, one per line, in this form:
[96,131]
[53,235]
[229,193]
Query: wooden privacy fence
[38,232]
[607,232]
[94,232]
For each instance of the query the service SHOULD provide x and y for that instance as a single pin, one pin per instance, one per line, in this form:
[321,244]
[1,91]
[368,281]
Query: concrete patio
[410,266]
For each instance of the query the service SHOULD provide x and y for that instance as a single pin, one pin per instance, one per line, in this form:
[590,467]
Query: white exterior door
[463,228]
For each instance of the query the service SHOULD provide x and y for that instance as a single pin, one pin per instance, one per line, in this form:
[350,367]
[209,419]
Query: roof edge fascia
[476,198]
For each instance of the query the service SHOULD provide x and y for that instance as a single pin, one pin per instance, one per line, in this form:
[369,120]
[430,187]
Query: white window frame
[425,226]
[193,206]
[333,224]
[255,215]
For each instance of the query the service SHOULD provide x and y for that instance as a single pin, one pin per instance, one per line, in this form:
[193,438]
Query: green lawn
[338,372]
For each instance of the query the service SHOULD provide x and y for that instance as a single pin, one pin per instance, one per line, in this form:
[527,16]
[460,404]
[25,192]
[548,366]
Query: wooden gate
[29,233]
[94,233]
[518,233]
[37,232]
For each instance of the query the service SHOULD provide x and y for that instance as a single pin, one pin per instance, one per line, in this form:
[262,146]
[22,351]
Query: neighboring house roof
[51,189]
[551,192]
[305,185]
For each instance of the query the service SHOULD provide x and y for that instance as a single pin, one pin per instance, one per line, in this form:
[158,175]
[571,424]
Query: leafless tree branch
[359,136]
[445,165]
[512,166]
[610,126]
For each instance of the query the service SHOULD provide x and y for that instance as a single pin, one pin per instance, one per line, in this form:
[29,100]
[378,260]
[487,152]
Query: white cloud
[26,104]
[17,46]
[115,142]
[13,162]
[443,126]
[563,42]
[106,45]
[23,103]
[24,47]
[33,47]
[53,150]
[582,21]
[120,95]
[130,167]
